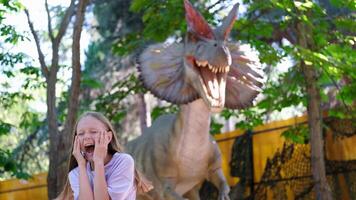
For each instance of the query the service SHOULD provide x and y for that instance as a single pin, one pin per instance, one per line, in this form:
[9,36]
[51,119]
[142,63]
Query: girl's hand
[76,152]
[101,147]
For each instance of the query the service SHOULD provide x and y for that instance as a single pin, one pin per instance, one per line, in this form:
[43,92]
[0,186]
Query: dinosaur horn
[225,28]
[196,22]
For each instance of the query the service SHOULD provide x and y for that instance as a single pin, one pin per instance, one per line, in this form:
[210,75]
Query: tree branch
[65,21]
[44,68]
[76,73]
[348,109]
[50,30]
[61,32]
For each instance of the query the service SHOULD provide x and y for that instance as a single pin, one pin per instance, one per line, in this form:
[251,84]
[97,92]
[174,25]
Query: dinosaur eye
[215,44]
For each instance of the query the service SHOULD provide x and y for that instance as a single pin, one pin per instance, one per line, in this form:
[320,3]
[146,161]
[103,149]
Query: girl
[98,168]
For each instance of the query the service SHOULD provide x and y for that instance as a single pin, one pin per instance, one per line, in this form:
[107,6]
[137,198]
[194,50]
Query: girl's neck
[106,160]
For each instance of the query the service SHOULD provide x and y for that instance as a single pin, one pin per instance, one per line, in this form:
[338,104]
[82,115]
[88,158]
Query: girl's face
[87,129]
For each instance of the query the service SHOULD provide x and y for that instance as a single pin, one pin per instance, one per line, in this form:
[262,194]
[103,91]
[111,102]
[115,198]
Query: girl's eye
[80,134]
[93,132]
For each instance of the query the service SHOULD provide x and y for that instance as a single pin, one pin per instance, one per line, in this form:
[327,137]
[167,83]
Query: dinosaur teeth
[212,68]
[201,63]
[214,88]
[227,68]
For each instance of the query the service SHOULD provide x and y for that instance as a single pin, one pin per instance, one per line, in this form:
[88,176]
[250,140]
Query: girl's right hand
[76,152]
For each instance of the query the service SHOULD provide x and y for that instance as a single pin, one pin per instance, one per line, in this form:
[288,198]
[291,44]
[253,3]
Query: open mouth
[213,81]
[89,148]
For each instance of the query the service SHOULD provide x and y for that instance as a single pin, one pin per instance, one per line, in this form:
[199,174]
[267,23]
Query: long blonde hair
[142,184]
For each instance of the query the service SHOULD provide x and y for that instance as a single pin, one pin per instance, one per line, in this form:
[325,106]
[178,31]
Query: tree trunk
[66,137]
[322,188]
[59,145]
[53,135]
[315,117]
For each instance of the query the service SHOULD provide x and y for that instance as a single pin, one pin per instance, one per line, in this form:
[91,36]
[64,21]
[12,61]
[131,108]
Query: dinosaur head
[206,66]
[207,59]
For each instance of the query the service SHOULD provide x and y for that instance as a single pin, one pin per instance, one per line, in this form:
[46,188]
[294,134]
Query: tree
[60,141]
[9,38]
[306,26]
[113,64]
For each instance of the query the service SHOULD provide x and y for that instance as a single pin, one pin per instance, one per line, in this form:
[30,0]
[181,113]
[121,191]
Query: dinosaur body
[178,154]
[203,75]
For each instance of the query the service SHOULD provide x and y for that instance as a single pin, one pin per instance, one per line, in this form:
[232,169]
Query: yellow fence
[264,146]
[35,188]
[267,144]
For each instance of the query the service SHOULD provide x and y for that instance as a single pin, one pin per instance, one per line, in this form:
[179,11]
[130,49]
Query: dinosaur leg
[218,179]
[168,190]
[193,194]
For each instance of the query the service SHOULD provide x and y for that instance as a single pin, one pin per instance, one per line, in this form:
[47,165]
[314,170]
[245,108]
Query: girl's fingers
[96,139]
[102,137]
[79,144]
[107,137]
[75,143]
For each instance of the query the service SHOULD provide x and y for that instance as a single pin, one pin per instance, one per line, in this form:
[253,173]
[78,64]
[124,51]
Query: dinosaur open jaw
[213,81]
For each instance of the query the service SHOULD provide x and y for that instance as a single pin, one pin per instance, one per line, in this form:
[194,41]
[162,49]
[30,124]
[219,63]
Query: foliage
[112,103]
[298,134]
[331,54]
[9,165]
[270,27]
[215,127]
[162,20]
[161,110]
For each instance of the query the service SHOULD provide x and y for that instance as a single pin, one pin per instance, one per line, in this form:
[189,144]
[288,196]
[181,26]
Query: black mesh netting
[341,127]
[288,173]
[286,176]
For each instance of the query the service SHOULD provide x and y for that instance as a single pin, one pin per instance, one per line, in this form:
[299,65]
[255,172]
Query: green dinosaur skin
[202,75]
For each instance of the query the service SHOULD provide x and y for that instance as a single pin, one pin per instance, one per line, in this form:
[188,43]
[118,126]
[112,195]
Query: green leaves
[285,92]
[251,118]
[113,102]
[161,18]
[10,5]
[8,164]
[30,70]
[298,134]
[10,34]
[128,43]
[215,127]
[347,94]
[91,83]
[4,128]
[351,4]
[303,6]
[10,59]
[159,110]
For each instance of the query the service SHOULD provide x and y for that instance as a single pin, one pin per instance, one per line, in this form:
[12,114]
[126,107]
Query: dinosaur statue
[202,75]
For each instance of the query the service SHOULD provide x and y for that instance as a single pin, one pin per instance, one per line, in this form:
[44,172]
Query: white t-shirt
[119,176]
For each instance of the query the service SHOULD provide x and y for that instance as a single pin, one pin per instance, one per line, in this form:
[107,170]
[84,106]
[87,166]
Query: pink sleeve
[121,181]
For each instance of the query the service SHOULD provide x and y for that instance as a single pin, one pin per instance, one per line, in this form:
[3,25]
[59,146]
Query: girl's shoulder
[122,159]
[74,172]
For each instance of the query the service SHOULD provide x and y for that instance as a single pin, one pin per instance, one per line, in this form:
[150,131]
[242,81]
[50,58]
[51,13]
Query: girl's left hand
[101,147]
